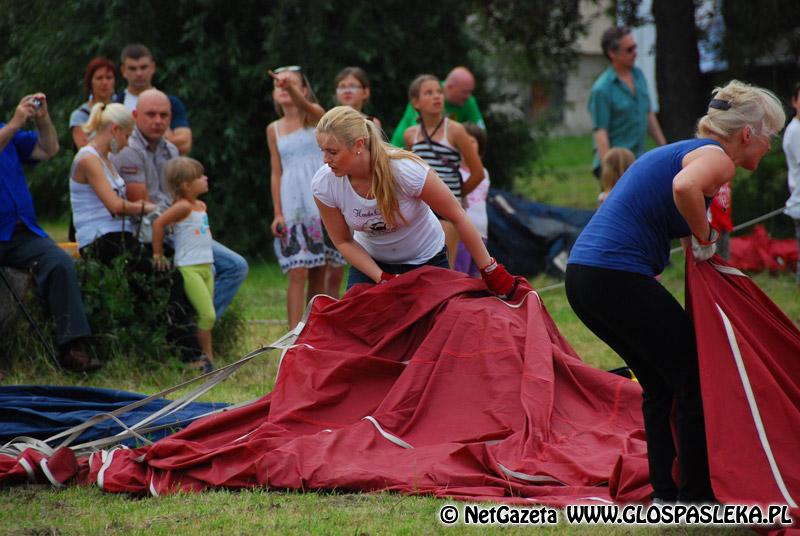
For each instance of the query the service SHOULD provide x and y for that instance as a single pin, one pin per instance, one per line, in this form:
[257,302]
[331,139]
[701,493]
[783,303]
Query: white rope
[527,477]
[391,437]
[679,248]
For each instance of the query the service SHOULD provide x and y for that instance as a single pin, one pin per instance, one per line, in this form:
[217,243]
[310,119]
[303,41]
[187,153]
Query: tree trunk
[677,68]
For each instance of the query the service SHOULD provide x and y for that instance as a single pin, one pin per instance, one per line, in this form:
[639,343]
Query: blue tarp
[41,411]
[530,237]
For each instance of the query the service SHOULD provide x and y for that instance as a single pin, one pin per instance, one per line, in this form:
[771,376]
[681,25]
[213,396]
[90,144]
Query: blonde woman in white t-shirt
[376,204]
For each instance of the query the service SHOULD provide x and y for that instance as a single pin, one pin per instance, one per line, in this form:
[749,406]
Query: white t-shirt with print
[413,243]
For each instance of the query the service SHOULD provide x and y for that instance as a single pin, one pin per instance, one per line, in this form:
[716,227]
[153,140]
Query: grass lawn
[44,510]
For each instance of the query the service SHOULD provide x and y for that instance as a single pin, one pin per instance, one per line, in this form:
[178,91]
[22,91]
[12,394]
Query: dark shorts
[356,276]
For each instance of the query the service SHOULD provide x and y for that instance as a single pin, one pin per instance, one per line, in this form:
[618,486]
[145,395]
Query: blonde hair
[108,114]
[748,106]
[181,170]
[615,162]
[347,125]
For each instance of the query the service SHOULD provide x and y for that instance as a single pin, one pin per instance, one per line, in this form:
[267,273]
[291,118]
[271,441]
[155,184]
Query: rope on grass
[207,381]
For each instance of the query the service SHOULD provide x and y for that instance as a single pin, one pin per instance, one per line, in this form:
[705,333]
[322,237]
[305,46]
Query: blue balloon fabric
[42,411]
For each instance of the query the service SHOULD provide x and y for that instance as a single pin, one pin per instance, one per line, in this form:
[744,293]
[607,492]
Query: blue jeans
[230,271]
[356,276]
[54,273]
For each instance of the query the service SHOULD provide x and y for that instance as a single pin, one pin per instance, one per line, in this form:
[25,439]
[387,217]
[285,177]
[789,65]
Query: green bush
[764,190]
[21,345]
[216,59]
[123,326]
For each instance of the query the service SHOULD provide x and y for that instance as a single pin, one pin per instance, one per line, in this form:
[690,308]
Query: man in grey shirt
[141,165]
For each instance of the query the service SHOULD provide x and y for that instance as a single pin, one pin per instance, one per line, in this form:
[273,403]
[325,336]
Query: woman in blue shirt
[610,279]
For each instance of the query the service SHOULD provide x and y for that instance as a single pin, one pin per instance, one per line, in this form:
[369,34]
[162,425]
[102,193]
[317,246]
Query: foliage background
[214,54]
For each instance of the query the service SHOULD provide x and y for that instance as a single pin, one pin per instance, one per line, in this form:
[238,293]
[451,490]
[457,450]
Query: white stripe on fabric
[751,400]
[529,478]
[153,491]
[394,439]
[28,469]
[106,463]
[522,301]
[598,499]
[48,474]
[730,270]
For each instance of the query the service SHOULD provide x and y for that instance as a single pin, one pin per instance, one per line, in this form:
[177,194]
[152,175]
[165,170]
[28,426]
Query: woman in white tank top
[97,192]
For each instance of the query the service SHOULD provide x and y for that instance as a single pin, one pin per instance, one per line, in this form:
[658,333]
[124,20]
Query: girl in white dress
[301,245]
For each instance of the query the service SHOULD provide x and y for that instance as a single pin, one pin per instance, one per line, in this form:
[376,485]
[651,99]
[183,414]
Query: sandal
[202,364]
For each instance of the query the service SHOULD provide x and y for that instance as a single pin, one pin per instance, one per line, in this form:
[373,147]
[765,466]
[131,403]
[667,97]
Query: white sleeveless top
[89,215]
[193,240]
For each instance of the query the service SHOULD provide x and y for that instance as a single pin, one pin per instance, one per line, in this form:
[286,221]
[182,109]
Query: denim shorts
[356,277]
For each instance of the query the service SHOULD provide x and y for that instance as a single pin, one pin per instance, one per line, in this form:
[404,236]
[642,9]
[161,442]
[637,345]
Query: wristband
[713,236]
[489,268]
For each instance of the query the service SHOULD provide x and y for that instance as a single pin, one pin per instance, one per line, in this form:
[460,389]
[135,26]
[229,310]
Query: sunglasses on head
[289,68]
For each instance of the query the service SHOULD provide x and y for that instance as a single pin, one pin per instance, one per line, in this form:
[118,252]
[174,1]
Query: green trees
[214,54]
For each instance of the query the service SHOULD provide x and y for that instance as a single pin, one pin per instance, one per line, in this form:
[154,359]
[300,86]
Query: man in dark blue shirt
[138,67]
[23,243]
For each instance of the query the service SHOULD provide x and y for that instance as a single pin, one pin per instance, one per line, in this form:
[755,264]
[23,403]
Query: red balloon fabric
[429,385]
[749,354]
[425,384]
[757,252]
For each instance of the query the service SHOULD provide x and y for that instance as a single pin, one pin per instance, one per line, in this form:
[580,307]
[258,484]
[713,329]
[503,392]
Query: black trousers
[56,282]
[181,326]
[641,321]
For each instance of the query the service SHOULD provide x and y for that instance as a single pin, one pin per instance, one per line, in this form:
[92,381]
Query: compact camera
[37,103]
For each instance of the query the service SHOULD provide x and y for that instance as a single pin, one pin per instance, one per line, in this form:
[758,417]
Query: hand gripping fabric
[498,280]
[702,250]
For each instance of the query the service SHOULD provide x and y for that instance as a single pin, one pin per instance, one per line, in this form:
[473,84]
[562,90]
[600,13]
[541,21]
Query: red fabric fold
[749,354]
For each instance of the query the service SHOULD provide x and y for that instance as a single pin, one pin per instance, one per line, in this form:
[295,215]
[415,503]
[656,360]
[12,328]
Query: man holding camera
[23,243]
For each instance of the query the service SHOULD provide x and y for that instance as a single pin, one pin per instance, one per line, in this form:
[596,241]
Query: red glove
[386,276]
[499,281]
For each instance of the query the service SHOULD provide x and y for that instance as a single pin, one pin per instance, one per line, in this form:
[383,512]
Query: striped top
[442,157]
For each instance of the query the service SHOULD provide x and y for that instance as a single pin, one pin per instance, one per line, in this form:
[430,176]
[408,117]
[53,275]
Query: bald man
[459,104]
[141,165]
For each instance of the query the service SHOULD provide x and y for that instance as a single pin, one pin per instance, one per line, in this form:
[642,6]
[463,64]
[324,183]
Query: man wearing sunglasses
[620,103]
